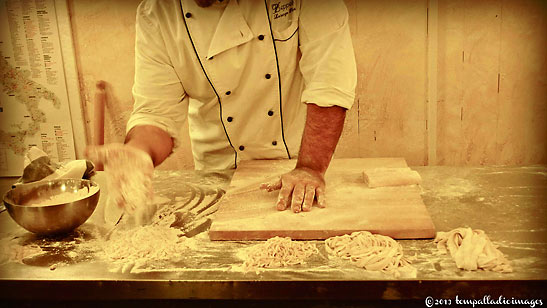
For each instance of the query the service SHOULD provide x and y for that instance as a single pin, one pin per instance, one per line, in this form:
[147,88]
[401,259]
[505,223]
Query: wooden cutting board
[248,213]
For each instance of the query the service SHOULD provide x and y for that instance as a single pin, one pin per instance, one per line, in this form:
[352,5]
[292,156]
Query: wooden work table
[509,203]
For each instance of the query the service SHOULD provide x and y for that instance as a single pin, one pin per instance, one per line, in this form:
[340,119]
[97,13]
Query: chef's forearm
[151,139]
[321,134]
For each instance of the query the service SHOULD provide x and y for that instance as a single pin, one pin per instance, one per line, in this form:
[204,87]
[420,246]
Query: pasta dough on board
[381,177]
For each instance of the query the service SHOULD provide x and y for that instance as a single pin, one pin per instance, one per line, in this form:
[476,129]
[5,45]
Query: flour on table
[472,250]
[160,200]
[11,250]
[373,252]
[144,247]
[277,252]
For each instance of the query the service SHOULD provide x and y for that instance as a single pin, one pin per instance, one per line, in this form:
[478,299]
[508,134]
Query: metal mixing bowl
[52,218]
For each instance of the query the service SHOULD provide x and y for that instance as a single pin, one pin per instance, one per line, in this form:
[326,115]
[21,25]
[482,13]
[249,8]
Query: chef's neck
[206,3]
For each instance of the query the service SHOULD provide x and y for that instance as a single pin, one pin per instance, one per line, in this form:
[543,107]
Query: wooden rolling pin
[98,117]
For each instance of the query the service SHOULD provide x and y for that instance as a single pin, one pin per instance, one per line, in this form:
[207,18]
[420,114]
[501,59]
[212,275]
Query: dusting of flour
[146,247]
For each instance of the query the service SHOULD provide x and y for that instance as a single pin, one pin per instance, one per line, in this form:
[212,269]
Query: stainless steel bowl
[52,218]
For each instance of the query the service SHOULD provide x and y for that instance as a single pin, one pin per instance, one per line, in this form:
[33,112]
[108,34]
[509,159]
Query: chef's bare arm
[321,134]
[306,182]
[151,139]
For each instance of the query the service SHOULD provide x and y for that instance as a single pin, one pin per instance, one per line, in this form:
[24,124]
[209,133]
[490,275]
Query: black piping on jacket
[278,80]
[210,83]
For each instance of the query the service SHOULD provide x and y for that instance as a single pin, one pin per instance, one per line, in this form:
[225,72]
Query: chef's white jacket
[241,72]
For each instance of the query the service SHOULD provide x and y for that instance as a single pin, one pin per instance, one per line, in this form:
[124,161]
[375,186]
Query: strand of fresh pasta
[278,252]
[370,251]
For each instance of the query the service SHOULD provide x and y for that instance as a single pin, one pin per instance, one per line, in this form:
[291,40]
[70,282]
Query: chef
[255,79]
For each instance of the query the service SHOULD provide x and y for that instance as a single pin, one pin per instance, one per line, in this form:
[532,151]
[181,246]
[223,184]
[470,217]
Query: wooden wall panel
[391,52]
[491,82]
[480,80]
[450,86]
[468,75]
[522,131]
[349,145]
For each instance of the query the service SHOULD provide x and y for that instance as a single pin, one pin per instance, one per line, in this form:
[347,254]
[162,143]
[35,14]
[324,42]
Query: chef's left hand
[298,189]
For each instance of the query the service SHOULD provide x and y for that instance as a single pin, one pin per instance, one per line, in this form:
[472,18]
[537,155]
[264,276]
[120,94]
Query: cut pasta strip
[472,250]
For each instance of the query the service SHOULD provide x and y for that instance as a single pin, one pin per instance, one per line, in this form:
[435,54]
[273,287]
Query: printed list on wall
[34,107]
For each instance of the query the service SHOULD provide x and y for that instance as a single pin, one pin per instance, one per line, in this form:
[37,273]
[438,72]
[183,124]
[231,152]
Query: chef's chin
[205,3]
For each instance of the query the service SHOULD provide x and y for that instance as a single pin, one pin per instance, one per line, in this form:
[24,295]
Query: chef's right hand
[298,189]
[129,178]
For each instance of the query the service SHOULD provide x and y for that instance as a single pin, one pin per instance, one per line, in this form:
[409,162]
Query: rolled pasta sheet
[373,252]
[381,177]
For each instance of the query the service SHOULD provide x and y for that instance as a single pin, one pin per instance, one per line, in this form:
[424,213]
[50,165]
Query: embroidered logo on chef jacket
[284,18]
[281,9]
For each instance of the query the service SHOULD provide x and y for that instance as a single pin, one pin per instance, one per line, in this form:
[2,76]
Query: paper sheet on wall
[34,107]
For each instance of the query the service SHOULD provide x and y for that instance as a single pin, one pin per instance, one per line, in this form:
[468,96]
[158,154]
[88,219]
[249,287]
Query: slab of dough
[472,250]
[380,177]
